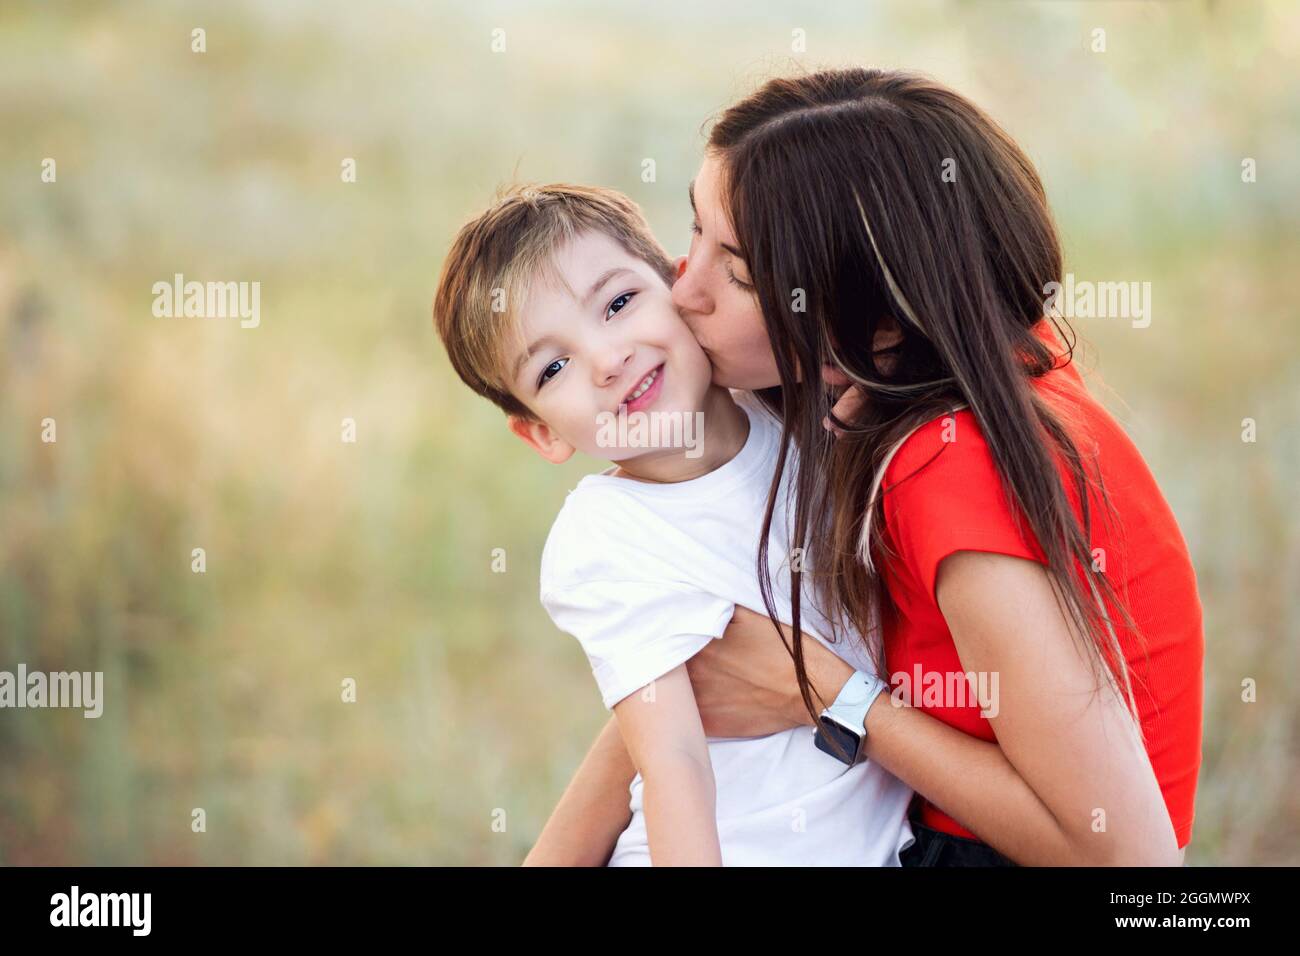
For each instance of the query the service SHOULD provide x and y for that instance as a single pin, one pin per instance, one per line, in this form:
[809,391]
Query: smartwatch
[843,720]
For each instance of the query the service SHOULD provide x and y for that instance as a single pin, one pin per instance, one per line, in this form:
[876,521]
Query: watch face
[843,739]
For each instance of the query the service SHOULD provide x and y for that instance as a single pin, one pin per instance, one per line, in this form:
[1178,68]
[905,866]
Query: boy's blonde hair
[496,256]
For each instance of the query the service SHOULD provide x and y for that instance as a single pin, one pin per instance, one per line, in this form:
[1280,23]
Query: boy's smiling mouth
[645,391]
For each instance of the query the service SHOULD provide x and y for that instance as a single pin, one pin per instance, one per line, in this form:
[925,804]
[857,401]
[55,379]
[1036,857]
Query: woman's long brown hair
[891,201]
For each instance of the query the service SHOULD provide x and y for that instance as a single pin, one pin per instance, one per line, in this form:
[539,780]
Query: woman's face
[714,295]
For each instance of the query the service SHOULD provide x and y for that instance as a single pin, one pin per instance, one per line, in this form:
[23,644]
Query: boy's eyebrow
[602,279]
[529,353]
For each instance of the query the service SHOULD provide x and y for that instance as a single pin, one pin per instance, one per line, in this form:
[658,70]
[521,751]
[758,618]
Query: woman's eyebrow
[690,191]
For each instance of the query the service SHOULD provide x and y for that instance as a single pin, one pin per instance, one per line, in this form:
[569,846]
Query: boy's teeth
[645,383]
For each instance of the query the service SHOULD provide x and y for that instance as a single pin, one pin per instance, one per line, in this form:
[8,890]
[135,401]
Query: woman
[969,494]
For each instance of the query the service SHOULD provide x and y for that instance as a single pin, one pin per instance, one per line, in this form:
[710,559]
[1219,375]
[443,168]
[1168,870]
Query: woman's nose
[688,296]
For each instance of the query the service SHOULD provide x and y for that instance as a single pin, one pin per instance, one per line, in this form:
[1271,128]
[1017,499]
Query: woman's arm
[1066,750]
[969,779]
[976,784]
[1074,744]
[593,811]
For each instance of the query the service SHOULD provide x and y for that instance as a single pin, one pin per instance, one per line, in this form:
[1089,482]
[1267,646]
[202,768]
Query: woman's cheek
[747,341]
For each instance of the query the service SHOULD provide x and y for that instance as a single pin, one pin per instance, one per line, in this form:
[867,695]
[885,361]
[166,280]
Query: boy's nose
[613,364]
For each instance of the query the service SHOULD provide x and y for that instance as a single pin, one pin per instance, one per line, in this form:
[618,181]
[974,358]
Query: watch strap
[844,719]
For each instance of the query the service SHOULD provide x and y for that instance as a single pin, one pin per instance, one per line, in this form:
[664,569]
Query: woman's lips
[649,395]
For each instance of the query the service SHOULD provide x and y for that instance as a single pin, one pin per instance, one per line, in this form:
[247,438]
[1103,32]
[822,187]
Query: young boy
[555,304]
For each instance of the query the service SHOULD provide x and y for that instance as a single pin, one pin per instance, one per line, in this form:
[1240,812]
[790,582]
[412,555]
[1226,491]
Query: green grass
[328,560]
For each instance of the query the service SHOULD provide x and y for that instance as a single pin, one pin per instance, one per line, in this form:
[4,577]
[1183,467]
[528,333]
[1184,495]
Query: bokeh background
[372,560]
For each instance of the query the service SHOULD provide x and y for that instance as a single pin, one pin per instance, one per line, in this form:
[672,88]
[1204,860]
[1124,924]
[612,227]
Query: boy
[555,304]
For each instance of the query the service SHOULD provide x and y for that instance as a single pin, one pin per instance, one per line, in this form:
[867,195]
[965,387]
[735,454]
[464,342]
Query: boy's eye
[551,371]
[619,303]
[695,228]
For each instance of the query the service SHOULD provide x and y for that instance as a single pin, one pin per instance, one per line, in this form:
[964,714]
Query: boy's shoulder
[596,534]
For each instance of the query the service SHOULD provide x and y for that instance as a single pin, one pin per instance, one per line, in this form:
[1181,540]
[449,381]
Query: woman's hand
[847,405]
[851,398]
[745,684]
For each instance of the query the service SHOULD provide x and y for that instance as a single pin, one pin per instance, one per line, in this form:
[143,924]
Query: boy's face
[592,348]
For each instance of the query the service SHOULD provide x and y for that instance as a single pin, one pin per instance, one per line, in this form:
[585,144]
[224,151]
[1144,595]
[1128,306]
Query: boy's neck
[724,429]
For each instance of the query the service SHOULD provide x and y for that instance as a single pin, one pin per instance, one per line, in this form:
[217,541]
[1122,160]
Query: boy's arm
[593,811]
[661,727]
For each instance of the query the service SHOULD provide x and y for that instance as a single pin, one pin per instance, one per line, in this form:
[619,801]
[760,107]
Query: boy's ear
[542,438]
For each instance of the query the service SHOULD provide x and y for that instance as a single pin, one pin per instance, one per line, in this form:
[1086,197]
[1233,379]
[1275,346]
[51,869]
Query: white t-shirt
[644,575]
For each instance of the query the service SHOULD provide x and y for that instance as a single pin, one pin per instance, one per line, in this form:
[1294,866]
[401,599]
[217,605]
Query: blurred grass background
[328,560]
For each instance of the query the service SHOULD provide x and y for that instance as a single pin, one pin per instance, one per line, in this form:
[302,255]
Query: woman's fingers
[846,409]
